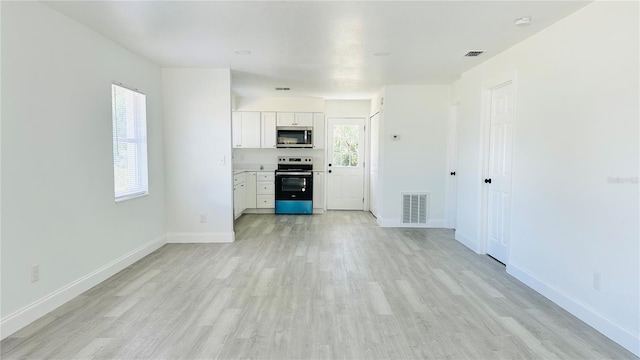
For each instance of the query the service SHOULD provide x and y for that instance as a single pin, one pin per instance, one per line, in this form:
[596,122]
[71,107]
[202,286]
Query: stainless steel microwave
[294,137]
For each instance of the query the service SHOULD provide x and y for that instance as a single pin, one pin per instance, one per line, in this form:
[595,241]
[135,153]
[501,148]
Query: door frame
[367,200]
[365,164]
[452,158]
[493,84]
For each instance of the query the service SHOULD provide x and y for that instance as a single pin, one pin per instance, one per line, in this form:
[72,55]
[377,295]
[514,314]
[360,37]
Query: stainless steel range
[294,185]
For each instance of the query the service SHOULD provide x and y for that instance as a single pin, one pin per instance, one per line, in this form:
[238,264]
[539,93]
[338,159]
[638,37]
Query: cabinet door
[268,131]
[251,190]
[286,119]
[236,129]
[250,134]
[242,197]
[318,190]
[318,131]
[304,119]
[236,201]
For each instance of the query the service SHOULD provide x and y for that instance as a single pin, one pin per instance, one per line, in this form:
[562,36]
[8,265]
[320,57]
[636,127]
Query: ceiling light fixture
[243,52]
[523,21]
[382,53]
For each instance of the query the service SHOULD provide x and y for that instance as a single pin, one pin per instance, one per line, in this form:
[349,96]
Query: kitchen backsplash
[267,158]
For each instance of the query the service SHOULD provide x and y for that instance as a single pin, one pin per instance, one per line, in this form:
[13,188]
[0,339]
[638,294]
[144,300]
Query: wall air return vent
[415,208]
[473,53]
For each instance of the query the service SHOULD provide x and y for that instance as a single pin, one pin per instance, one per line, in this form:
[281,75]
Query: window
[345,145]
[129,116]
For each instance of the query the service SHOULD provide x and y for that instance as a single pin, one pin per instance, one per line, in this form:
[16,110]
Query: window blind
[129,143]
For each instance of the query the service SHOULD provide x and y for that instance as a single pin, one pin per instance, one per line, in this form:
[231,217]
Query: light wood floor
[332,286]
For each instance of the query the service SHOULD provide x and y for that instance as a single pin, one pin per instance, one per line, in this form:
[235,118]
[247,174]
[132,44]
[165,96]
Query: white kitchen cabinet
[286,119]
[245,129]
[318,190]
[265,190]
[294,119]
[268,132]
[318,131]
[304,119]
[239,194]
[251,190]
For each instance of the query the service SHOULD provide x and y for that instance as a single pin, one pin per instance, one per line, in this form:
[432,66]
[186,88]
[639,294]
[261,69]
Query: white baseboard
[28,314]
[466,241]
[259,211]
[432,223]
[613,331]
[200,238]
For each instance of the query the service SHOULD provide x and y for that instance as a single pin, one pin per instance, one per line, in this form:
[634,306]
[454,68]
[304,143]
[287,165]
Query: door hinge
[363,200]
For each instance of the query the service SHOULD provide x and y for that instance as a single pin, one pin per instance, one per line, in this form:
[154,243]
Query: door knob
[453,173]
[487,181]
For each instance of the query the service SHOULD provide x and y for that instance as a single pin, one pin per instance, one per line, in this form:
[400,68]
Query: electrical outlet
[203,218]
[597,281]
[35,273]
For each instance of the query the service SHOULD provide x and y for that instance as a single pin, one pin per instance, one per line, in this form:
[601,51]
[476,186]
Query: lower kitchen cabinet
[265,190]
[318,190]
[239,194]
[251,190]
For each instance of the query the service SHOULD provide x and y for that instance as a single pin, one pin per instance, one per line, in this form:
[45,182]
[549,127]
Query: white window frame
[137,182]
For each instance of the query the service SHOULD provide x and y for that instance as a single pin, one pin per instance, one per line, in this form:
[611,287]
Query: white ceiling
[318,48]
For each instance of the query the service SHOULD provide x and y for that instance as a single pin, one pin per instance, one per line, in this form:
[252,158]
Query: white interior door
[373,164]
[345,165]
[499,172]
[452,165]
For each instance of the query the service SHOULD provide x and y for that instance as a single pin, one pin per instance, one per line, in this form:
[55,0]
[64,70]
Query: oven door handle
[293,173]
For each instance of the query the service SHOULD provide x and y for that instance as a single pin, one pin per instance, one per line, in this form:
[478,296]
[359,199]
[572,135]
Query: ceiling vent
[474,53]
[283,89]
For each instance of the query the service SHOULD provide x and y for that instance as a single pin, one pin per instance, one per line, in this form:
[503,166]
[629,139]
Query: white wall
[58,208]
[576,128]
[416,162]
[284,104]
[197,113]
[347,108]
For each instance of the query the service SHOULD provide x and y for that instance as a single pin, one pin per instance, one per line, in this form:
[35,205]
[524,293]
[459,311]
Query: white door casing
[452,165]
[373,163]
[345,164]
[498,180]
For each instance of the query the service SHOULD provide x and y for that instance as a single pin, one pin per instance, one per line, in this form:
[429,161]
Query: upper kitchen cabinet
[246,129]
[268,130]
[304,119]
[295,119]
[318,131]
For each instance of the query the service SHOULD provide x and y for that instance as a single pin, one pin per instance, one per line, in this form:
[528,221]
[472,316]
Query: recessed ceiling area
[330,49]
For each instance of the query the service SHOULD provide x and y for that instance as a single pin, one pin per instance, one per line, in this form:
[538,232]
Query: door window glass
[345,145]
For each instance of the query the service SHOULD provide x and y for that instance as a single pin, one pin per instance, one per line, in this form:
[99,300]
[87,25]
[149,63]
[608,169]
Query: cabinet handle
[487,181]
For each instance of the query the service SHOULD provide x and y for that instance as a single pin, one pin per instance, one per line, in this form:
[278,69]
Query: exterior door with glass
[345,165]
